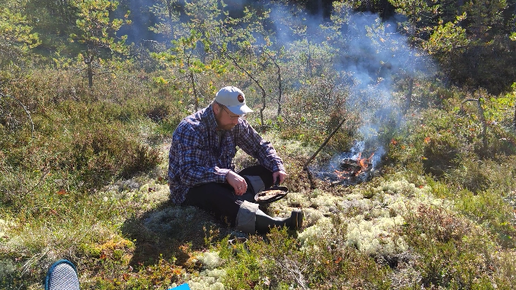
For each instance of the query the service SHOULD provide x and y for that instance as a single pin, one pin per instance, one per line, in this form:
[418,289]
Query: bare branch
[25,109]
[482,117]
[294,271]
[264,94]
[280,90]
[305,166]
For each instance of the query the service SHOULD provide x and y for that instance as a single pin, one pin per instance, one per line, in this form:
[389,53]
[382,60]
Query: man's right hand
[237,182]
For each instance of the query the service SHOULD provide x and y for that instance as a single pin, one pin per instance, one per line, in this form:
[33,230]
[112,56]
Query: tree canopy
[471,41]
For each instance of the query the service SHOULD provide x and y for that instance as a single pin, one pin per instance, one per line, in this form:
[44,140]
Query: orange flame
[362,162]
[341,174]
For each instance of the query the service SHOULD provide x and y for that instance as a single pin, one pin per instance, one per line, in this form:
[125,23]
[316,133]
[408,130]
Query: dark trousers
[220,199]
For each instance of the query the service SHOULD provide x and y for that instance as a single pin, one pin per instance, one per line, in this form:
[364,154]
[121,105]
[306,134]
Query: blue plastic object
[181,287]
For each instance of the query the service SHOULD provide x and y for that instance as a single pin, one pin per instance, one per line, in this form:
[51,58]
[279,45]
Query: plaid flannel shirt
[200,153]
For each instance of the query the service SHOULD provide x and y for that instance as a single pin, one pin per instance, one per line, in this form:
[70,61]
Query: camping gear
[272,194]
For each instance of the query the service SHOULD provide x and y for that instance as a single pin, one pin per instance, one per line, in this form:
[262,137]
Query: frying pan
[276,193]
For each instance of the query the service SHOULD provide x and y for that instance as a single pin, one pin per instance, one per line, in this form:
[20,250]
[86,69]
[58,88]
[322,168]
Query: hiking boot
[264,222]
[295,222]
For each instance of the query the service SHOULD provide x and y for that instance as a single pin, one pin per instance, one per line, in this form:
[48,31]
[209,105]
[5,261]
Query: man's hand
[278,177]
[237,182]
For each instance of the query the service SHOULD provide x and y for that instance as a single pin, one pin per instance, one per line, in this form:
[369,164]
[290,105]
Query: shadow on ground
[168,231]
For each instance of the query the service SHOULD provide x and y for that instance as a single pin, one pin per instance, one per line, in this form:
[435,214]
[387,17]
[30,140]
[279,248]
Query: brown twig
[305,166]
[280,91]
[482,118]
[25,109]
[264,94]
[514,120]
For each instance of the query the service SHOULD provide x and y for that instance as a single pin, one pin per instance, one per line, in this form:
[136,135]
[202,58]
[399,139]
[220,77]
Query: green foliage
[15,31]
[502,109]
[280,263]
[446,243]
[447,38]
[54,21]
[96,31]
[17,38]
[95,26]
[100,154]
[464,38]
[79,139]
[490,207]
[212,43]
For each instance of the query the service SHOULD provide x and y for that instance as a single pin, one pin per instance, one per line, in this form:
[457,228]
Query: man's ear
[216,108]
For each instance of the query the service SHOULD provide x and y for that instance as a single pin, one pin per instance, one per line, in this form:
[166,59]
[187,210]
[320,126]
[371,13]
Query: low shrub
[282,262]
[454,253]
[102,154]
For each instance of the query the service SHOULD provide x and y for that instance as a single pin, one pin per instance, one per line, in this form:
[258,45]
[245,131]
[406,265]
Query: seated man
[201,170]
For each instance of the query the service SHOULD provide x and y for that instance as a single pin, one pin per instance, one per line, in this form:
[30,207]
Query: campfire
[350,168]
[347,168]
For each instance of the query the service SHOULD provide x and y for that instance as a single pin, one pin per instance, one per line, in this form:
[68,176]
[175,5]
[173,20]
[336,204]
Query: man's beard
[226,127]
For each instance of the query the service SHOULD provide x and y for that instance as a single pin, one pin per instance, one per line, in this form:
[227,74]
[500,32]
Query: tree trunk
[90,75]
[88,61]
[514,121]
[194,88]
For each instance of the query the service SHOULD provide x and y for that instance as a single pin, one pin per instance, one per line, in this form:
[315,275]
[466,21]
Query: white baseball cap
[234,99]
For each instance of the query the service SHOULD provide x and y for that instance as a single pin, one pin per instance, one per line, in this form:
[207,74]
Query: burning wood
[349,170]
